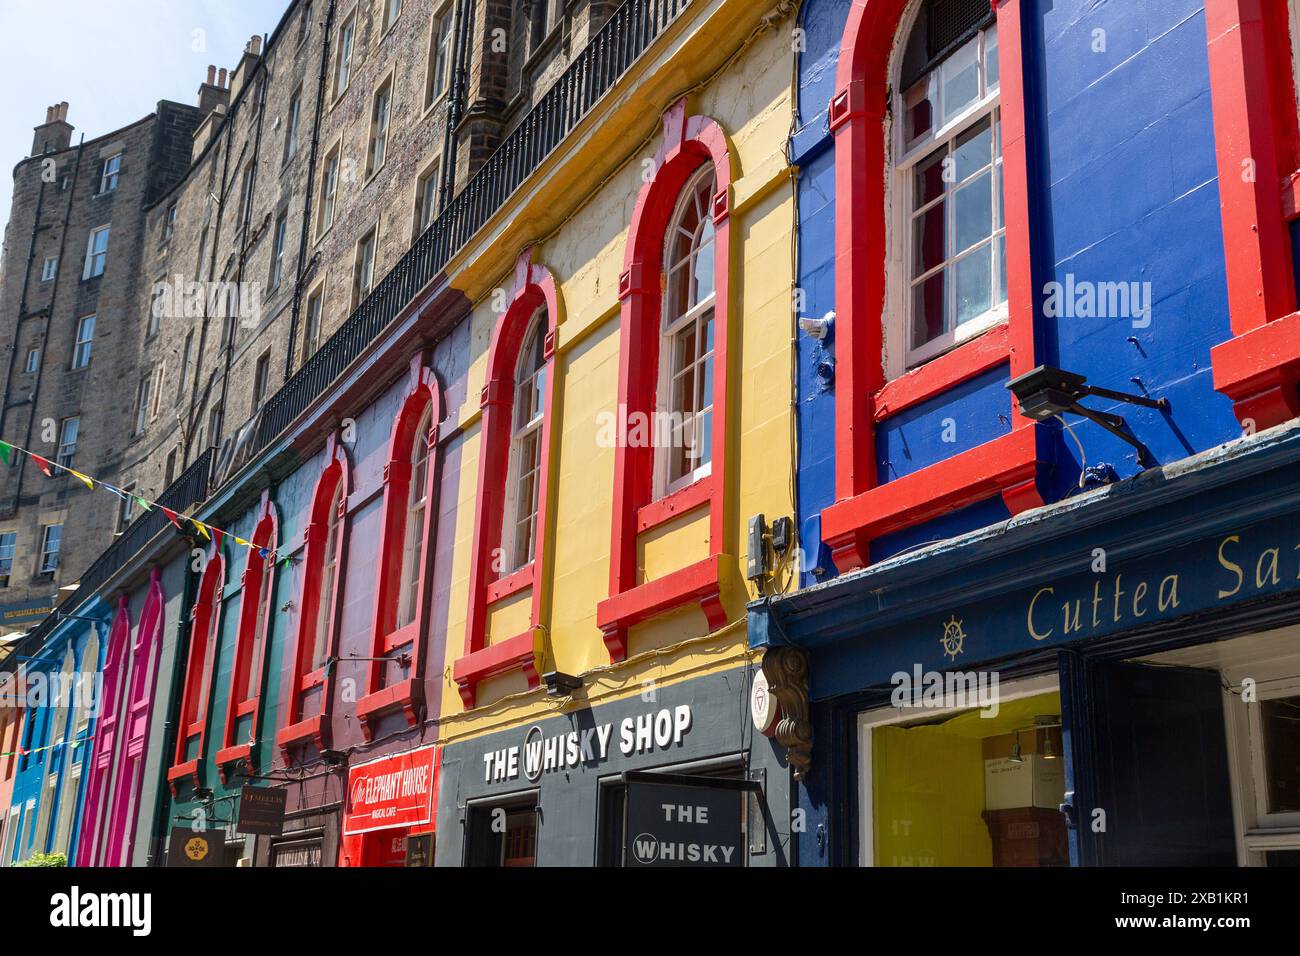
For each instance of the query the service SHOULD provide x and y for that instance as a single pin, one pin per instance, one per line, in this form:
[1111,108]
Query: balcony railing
[624,37]
[191,487]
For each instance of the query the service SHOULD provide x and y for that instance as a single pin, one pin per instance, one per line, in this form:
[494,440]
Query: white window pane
[991,59]
[959,77]
[973,277]
[973,213]
[973,151]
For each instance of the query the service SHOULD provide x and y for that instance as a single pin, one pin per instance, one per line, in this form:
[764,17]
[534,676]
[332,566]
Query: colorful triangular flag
[5,448]
[172,517]
[44,466]
[216,536]
[84,479]
[201,528]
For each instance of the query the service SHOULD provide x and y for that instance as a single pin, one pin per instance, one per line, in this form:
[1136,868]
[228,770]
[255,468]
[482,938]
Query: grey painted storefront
[697,726]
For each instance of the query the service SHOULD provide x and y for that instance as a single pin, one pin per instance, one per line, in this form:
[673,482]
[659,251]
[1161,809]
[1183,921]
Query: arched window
[395,678]
[256,614]
[205,638]
[932,234]
[74,761]
[59,709]
[417,506]
[102,753]
[1252,70]
[948,176]
[306,718]
[520,530]
[509,552]
[675,305]
[686,352]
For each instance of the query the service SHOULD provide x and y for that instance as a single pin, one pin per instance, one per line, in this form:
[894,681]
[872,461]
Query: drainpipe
[456,103]
[311,184]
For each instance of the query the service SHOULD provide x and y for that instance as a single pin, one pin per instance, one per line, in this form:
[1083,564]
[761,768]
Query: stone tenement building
[243,233]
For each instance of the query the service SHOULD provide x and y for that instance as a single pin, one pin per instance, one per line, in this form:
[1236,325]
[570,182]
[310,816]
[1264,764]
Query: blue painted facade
[49,785]
[1122,188]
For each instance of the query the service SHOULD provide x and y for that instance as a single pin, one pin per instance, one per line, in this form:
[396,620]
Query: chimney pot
[221,78]
[212,74]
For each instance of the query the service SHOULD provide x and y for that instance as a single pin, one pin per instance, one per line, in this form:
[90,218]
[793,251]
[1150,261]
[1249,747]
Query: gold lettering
[1067,625]
[1139,593]
[1096,599]
[1166,601]
[1230,566]
[1030,617]
[1118,594]
[1272,564]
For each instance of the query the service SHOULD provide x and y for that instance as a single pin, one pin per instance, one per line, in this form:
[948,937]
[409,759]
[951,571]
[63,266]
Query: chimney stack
[213,93]
[55,133]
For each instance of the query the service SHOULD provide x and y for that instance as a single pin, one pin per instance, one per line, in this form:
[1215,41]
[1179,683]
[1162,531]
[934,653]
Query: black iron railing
[191,487]
[626,35]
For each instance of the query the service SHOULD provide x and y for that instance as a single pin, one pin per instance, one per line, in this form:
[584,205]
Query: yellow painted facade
[735,68]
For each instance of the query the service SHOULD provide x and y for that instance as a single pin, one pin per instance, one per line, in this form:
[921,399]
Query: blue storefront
[59,682]
[1031,637]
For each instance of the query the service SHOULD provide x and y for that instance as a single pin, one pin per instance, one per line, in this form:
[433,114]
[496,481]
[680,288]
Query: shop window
[205,639]
[673,370]
[402,591]
[1252,72]
[950,272]
[510,532]
[964,787]
[503,834]
[307,716]
[252,639]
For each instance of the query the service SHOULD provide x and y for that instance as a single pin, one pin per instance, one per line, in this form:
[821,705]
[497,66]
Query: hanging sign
[261,810]
[191,848]
[392,791]
[672,825]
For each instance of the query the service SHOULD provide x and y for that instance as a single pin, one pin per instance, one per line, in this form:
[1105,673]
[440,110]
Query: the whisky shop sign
[1106,599]
[540,752]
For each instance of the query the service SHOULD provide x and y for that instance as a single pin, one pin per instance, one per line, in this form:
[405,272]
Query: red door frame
[194,697]
[865,508]
[533,287]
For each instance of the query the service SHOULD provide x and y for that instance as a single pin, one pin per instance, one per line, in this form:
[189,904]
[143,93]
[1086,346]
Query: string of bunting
[208,531]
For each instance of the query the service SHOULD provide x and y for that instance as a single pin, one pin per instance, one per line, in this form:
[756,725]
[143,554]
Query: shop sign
[669,825]
[542,753]
[419,850]
[392,791]
[764,709]
[261,810]
[195,848]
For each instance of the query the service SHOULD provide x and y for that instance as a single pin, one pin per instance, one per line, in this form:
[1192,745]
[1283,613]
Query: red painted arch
[533,288]
[104,750]
[191,735]
[864,508]
[386,692]
[688,144]
[299,727]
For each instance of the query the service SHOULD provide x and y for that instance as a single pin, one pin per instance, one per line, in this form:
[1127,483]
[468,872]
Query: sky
[112,61]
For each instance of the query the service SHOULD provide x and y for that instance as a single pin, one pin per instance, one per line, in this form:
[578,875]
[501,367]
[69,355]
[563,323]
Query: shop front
[675,775]
[1113,680]
[388,814]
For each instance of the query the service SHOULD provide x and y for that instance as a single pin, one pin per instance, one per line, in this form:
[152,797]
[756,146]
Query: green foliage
[43,859]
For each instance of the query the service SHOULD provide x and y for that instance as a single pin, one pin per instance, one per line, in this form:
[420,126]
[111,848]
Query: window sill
[973,357]
[313,730]
[511,584]
[406,695]
[696,583]
[433,105]
[230,755]
[191,770]
[523,652]
[680,502]
[1260,371]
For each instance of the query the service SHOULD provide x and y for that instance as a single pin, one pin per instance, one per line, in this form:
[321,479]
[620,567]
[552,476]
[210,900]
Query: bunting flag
[85,480]
[209,532]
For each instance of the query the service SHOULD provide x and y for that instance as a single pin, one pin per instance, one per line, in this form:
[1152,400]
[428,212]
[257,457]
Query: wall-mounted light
[557,682]
[819,329]
[1047,392]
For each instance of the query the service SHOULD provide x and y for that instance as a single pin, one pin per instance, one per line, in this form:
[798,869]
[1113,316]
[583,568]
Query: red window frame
[266,534]
[1253,98]
[196,696]
[534,287]
[864,508]
[388,641]
[688,144]
[297,729]
[104,749]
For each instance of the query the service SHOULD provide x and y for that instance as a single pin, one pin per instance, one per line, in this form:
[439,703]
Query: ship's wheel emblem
[953,638]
